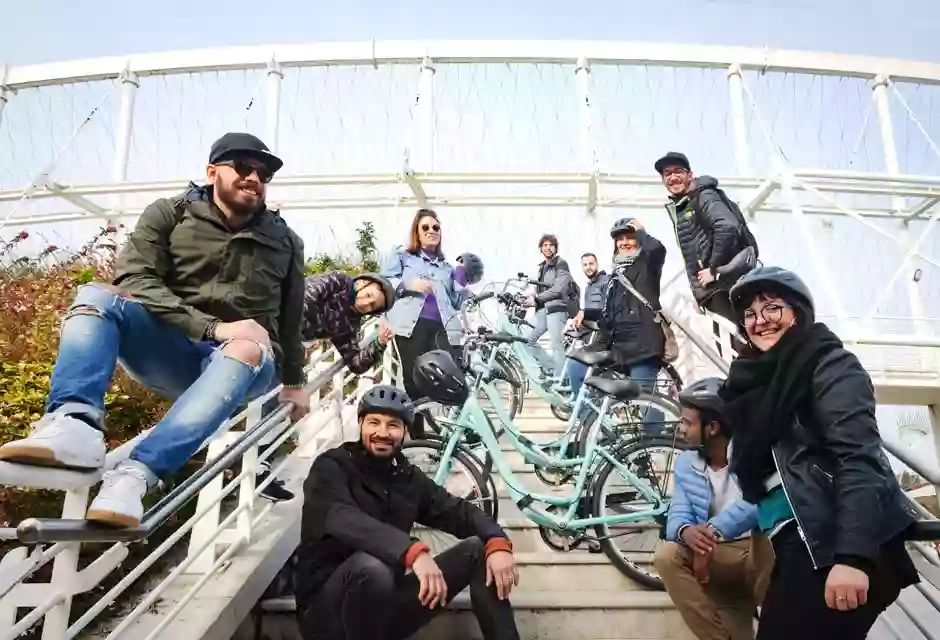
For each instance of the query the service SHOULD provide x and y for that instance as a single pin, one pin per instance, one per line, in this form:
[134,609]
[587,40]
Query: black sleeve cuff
[856,562]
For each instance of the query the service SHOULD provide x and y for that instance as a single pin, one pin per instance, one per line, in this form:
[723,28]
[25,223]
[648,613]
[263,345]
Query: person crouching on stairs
[335,304]
[360,574]
[715,568]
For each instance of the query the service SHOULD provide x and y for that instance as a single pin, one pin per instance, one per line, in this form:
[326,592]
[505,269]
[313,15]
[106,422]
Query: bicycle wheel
[631,425]
[508,385]
[474,488]
[612,493]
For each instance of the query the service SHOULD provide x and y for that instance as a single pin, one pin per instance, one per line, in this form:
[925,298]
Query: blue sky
[43,30]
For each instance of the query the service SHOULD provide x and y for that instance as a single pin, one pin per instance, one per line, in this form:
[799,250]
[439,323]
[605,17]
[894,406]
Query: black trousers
[795,604]
[366,599]
[428,335]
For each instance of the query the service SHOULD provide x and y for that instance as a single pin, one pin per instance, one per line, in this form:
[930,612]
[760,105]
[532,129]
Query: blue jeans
[554,323]
[207,385]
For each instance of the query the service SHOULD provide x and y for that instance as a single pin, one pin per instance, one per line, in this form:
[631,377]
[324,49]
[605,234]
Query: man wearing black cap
[205,308]
[717,246]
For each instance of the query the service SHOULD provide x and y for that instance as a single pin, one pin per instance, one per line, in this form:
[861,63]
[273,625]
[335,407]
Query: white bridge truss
[835,158]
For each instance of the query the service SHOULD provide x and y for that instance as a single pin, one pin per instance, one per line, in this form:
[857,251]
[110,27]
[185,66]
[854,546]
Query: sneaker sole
[112,519]
[39,457]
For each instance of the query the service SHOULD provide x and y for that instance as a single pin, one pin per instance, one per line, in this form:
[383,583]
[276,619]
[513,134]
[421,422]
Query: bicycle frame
[472,417]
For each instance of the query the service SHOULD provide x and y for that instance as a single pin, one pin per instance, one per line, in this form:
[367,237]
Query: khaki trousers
[723,608]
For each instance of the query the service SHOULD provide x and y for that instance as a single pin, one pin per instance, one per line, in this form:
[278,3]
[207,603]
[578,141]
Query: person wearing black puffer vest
[717,247]
[806,450]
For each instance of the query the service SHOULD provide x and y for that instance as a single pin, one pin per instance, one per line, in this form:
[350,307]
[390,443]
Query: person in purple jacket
[430,292]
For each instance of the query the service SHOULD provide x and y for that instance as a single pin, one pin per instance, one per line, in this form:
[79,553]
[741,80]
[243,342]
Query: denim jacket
[692,497]
[402,266]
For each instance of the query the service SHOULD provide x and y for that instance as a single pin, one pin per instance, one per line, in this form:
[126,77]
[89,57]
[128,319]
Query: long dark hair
[414,241]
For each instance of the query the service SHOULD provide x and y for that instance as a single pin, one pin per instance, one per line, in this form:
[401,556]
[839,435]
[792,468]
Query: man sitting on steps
[360,575]
[206,304]
[715,568]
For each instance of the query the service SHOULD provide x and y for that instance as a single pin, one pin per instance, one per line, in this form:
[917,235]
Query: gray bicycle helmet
[474,266]
[703,395]
[388,400]
[438,377]
[622,226]
[769,280]
[387,289]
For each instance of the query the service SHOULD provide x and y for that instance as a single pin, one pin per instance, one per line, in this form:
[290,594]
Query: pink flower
[23,235]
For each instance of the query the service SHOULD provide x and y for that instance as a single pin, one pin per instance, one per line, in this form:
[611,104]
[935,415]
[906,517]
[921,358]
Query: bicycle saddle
[617,389]
[591,357]
[590,325]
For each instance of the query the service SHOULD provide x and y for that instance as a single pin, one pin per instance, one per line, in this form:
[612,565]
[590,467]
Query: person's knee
[474,548]
[369,574]
[669,559]
[244,350]
[92,300]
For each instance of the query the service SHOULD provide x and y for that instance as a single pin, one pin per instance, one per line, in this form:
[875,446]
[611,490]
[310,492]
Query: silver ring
[841,598]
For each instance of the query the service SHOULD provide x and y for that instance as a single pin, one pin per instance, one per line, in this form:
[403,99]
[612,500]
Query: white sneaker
[120,501]
[59,440]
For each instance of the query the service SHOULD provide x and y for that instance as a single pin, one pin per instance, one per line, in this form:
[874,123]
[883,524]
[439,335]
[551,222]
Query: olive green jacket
[188,268]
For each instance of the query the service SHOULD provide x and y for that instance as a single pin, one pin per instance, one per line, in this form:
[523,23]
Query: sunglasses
[430,227]
[245,168]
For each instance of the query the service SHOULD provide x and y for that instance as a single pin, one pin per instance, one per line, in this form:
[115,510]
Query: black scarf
[764,394]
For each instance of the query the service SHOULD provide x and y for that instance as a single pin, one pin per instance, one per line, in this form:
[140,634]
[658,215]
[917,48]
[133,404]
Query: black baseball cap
[672,158]
[235,144]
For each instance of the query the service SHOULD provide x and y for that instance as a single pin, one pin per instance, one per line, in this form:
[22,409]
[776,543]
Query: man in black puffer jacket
[716,245]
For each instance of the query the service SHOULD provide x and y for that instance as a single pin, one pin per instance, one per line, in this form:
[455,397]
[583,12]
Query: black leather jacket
[836,476]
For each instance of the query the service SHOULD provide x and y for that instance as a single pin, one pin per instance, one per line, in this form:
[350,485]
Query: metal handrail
[43,530]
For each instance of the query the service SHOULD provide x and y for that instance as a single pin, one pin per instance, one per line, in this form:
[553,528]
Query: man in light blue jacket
[715,564]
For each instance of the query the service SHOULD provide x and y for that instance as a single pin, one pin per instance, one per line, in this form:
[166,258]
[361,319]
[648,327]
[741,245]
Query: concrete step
[572,615]
[539,614]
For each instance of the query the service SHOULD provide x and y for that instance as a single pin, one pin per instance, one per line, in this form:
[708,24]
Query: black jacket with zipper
[708,233]
[628,327]
[357,502]
[836,476]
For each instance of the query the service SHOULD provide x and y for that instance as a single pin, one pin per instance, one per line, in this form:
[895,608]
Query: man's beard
[229,196]
[590,274]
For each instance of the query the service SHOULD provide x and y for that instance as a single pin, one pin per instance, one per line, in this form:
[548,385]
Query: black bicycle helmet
[474,266]
[387,289]
[438,377]
[388,400]
[703,395]
[622,226]
[768,280]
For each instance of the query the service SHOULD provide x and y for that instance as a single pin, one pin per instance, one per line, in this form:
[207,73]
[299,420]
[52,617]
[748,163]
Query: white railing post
[893,168]
[208,525]
[5,93]
[246,490]
[742,155]
[424,112]
[588,152]
[933,419]
[273,104]
[65,570]
[122,146]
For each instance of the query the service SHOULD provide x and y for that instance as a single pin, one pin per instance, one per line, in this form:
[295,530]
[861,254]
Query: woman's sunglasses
[245,168]
[430,227]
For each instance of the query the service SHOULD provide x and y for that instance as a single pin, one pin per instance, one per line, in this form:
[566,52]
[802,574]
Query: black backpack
[572,297]
[747,238]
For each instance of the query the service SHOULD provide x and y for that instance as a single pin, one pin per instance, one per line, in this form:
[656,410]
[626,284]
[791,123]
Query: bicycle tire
[623,564]
[662,402]
[485,488]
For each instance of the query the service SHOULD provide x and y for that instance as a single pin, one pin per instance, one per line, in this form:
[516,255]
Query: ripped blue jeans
[103,329]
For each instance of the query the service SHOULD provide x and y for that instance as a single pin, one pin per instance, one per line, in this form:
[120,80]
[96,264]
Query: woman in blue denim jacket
[430,292]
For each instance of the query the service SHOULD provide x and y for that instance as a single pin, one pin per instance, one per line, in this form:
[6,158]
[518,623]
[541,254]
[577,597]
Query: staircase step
[539,614]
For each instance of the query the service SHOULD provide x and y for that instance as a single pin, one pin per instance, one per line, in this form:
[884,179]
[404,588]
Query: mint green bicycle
[616,491]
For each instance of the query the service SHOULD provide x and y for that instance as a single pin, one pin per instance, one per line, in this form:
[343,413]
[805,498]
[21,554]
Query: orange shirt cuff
[497,544]
[414,551]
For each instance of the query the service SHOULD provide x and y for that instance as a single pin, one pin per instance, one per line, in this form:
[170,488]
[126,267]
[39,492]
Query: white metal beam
[764,191]
[421,198]
[921,208]
[451,52]
[79,201]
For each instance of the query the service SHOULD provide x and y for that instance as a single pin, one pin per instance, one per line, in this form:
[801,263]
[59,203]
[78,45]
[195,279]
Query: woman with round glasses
[807,452]
[430,292]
